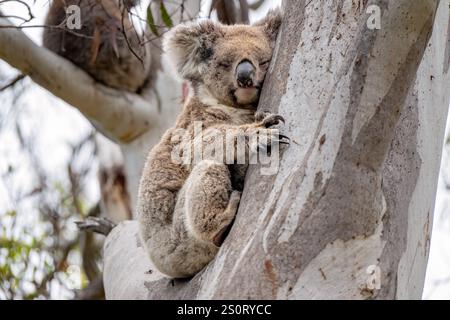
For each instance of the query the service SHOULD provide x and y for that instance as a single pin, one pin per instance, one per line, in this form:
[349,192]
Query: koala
[100,47]
[185,210]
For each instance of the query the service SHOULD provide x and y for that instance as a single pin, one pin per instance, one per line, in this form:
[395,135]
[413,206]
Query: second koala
[186,209]
[107,46]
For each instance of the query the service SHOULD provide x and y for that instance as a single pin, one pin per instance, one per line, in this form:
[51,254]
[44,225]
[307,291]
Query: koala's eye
[264,63]
[225,65]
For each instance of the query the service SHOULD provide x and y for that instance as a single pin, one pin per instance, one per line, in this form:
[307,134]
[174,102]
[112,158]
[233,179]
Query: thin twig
[13,82]
[126,38]
[30,14]
[45,26]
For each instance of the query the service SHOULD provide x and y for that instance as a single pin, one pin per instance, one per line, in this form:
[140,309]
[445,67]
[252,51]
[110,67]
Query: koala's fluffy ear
[271,23]
[190,45]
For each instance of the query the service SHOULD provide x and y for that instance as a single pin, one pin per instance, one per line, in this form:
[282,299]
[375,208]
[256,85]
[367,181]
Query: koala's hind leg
[211,205]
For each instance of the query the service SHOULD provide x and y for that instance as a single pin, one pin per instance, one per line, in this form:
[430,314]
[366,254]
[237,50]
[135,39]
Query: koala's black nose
[245,72]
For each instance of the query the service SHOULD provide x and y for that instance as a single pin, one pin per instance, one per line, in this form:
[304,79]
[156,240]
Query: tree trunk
[348,214]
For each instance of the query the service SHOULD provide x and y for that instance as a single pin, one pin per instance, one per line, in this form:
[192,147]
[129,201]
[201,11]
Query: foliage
[40,248]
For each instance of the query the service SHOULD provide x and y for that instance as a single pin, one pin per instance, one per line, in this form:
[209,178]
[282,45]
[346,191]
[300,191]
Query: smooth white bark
[432,95]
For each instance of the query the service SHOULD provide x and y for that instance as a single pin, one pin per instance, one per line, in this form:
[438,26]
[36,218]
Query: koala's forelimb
[254,135]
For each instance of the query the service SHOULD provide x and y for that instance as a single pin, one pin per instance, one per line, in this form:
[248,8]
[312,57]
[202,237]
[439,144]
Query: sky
[60,125]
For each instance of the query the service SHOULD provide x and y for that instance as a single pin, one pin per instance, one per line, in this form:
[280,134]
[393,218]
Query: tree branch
[96,224]
[244,9]
[226,11]
[121,116]
[256,5]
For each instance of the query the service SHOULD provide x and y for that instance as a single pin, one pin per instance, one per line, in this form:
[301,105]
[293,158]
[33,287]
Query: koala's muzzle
[245,72]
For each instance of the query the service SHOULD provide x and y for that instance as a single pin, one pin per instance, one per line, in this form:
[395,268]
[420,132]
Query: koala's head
[227,63]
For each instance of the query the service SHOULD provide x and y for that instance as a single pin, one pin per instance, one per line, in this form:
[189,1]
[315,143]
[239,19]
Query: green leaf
[11,213]
[151,21]
[165,16]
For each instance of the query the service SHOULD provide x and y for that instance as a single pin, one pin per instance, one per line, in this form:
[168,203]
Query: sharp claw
[282,141]
[279,141]
[273,120]
[278,117]
[282,136]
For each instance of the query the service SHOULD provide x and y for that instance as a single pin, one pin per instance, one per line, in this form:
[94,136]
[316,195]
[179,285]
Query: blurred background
[51,176]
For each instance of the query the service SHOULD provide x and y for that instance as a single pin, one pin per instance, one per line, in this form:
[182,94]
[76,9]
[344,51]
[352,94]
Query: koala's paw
[268,119]
[265,138]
